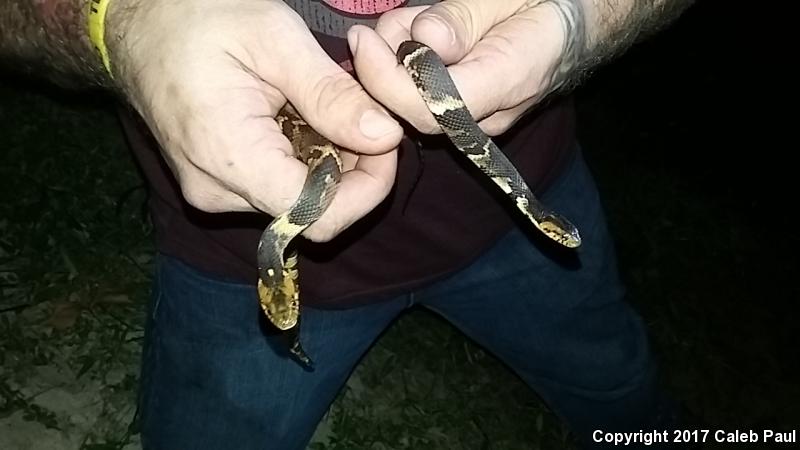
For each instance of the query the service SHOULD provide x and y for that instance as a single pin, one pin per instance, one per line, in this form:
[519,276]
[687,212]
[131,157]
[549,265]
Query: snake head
[561,230]
[279,295]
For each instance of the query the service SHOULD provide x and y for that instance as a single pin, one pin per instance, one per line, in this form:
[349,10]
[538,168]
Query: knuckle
[334,90]
[495,127]
[384,22]
[463,16]
[461,12]
[321,231]
[425,125]
[200,199]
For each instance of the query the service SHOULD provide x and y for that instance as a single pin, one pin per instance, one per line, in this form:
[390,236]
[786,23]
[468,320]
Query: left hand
[504,56]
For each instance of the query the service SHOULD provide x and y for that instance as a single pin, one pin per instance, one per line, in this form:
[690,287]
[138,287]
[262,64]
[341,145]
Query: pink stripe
[364,7]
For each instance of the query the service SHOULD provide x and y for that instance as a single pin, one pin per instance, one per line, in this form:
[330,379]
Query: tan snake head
[280,297]
[566,236]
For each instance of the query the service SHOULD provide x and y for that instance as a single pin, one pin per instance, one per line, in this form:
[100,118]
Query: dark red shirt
[452,215]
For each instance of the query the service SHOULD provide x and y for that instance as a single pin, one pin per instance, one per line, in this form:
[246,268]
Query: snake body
[443,100]
[278,285]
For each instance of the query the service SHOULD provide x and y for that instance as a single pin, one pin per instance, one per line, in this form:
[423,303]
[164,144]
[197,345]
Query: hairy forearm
[49,38]
[598,30]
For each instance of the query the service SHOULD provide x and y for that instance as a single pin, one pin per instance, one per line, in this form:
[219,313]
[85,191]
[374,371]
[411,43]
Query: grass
[694,230]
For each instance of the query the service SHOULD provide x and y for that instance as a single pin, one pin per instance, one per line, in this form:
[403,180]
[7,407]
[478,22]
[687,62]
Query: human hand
[504,57]
[209,77]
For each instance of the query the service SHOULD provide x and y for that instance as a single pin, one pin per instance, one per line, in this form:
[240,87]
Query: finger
[206,194]
[333,103]
[512,67]
[261,167]
[386,80]
[486,79]
[359,192]
[395,26]
[230,157]
[499,122]
[349,160]
[452,28]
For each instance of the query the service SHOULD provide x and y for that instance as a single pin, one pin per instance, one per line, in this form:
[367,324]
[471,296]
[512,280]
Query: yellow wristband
[97,29]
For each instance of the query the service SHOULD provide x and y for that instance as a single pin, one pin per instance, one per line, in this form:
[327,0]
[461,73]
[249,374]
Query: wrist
[115,25]
[571,17]
[610,28]
[593,32]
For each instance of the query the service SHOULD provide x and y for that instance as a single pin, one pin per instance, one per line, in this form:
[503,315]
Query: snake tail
[441,96]
[292,337]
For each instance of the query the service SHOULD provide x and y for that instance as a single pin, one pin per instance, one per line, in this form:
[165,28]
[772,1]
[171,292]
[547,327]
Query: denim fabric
[215,377]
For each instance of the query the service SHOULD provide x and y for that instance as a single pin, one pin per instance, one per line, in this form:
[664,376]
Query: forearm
[598,30]
[49,38]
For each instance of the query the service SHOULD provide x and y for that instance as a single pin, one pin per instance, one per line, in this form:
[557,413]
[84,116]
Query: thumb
[451,28]
[335,105]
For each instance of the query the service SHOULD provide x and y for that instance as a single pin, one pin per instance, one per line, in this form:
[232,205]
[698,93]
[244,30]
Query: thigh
[214,377]
[558,317]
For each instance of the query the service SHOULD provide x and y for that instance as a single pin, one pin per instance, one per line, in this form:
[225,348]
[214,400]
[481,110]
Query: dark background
[683,134]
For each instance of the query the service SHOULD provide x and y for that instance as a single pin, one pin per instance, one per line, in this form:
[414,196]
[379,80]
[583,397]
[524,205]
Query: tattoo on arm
[599,30]
[49,38]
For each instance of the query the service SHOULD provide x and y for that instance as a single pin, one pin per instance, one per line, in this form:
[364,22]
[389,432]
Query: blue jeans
[210,381]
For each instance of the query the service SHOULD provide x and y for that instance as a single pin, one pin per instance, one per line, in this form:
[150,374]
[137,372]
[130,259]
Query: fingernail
[441,23]
[352,40]
[376,124]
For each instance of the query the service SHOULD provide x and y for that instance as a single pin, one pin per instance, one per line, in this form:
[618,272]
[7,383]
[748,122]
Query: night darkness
[681,133]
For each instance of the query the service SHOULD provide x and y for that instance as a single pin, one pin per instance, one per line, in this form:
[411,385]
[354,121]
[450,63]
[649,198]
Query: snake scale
[278,289]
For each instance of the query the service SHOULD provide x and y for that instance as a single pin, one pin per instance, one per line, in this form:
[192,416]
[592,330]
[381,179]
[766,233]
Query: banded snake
[278,287]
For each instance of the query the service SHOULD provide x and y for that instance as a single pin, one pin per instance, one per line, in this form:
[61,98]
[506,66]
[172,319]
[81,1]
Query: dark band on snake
[278,287]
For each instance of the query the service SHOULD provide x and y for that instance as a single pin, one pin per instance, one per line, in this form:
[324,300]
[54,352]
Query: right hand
[209,76]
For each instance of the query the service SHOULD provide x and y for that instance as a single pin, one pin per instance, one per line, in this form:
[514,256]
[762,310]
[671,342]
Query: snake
[278,274]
